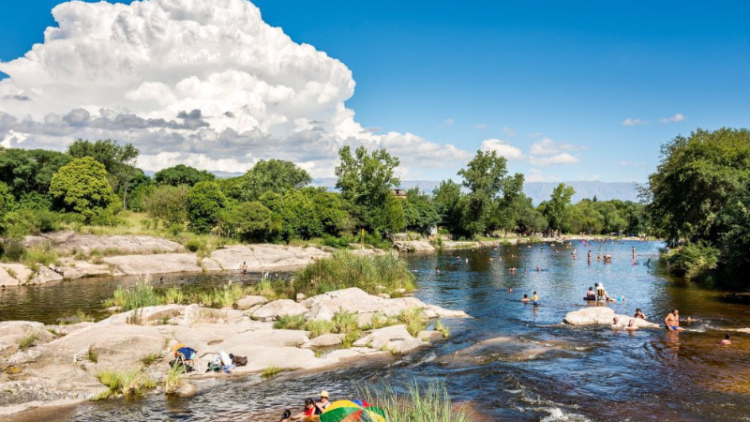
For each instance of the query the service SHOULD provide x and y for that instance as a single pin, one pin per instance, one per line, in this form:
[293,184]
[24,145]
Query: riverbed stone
[155,264]
[278,308]
[263,257]
[45,275]
[70,242]
[602,315]
[14,274]
[248,302]
[415,246]
[395,339]
[71,269]
[326,340]
[430,336]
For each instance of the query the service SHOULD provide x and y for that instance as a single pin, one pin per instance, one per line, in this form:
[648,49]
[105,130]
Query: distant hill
[537,191]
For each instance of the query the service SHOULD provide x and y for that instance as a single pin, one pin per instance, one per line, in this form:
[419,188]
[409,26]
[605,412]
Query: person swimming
[525,298]
[590,295]
[639,314]
[535,299]
[726,341]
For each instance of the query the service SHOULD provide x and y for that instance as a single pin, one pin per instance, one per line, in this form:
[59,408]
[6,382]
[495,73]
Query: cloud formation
[673,119]
[634,122]
[544,152]
[209,84]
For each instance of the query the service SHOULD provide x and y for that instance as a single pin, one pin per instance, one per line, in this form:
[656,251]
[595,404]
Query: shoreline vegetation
[368,318]
[95,189]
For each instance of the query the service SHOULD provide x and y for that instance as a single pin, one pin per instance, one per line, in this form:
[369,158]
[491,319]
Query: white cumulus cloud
[207,83]
[673,119]
[502,149]
[634,122]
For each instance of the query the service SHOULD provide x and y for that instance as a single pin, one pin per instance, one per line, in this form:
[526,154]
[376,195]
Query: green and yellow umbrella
[351,411]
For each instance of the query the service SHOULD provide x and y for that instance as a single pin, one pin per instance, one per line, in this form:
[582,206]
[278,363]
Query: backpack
[239,360]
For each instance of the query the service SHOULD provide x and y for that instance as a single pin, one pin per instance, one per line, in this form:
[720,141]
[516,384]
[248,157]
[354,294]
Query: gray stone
[326,340]
[278,308]
[430,336]
[394,339]
[248,302]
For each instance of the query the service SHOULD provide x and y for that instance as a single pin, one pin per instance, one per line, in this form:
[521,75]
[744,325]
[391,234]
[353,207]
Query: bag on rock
[239,360]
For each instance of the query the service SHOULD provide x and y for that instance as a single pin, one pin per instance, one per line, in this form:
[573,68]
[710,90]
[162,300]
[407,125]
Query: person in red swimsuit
[310,410]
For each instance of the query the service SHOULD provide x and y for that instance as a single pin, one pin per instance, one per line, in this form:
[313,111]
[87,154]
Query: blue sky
[461,73]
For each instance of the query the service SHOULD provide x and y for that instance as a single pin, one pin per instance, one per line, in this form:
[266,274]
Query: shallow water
[536,369]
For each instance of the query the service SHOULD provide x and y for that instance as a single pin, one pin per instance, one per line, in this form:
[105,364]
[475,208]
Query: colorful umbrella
[352,410]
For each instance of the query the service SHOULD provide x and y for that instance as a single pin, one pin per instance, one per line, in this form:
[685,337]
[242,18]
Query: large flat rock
[155,264]
[602,315]
[278,308]
[395,339]
[71,242]
[264,257]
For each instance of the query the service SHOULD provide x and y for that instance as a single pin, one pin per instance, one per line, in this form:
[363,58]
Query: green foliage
[447,198]
[27,340]
[414,319]
[344,322]
[556,209]
[271,372]
[205,205]
[735,242]
[365,181]
[416,404]
[7,200]
[128,383]
[141,295]
[35,201]
[252,222]
[168,204]
[693,182]
[345,270]
[290,322]
[442,328]
[276,176]
[117,159]
[182,175]
[317,328]
[419,211]
[26,171]
[12,250]
[696,261]
[172,380]
[81,187]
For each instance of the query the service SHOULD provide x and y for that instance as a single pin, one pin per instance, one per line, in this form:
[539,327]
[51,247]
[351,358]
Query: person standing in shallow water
[672,321]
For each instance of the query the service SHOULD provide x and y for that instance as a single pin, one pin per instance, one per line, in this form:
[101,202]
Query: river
[536,369]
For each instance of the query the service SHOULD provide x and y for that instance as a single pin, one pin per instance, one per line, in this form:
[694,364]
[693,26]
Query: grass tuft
[416,404]
[128,383]
[290,322]
[27,340]
[271,372]
[414,319]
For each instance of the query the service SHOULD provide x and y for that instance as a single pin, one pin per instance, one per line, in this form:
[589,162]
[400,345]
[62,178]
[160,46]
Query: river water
[512,362]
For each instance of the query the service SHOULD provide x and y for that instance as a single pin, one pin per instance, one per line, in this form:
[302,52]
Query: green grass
[317,328]
[380,320]
[270,372]
[290,322]
[142,295]
[349,339]
[40,255]
[150,358]
[128,383]
[93,355]
[416,404]
[172,380]
[414,319]
[344,322]
[344,270]
[27,340]
[442,328]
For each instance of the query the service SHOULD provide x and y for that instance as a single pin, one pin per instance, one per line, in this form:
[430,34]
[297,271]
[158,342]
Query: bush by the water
[373,274]
[695,261]
[416,404]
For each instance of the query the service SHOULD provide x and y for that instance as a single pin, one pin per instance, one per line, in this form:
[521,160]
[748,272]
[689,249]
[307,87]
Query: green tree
[26,171]
[182,175]
[119,161]
[735,242]
[421,214]
[252,222]
[486,176]
[168,204]
[81,186]
[693,182]
[330,210]
[205,205]
[366,181]
[556,209]
[7,200]
[276,176]
[447,197]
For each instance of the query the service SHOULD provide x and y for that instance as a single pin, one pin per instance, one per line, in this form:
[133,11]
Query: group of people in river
[310,409]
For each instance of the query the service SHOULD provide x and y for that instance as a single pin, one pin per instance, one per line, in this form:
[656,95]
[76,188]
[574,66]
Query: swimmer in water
[510,289]
[672,321]
[525,298]
[726,341]
[639,314]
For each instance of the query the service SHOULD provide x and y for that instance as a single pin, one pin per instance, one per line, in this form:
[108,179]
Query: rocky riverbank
[53,364]
[83,256]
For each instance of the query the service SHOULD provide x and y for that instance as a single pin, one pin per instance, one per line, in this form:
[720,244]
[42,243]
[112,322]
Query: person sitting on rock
[308,411]
[639,314]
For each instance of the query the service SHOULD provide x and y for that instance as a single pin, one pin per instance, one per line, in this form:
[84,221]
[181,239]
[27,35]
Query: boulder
[394,339]
[147,315]
[326,340]
[71,269]
[430,336]
[248,302]
[186,389]
[71,242]
[418,246]
[14,274]
[155,264]
[266,257]
[602,315]
[45,275]
[278,308]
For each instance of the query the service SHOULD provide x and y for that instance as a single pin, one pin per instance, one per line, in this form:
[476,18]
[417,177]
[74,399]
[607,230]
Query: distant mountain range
[537,191]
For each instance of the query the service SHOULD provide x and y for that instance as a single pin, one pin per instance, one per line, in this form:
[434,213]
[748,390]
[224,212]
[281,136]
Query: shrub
[290,322]
[129,383]
[344,322]
[172,380]
[13,250]
[414,319]
[271,372]
[345,270]
[27,340]
[193,245]
[695,261]
[417,404]
[317,328]
[141,295]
